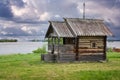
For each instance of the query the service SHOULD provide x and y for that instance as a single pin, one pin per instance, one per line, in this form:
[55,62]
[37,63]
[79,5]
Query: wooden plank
[77,47]
[87,40]
[85,46]
[66,57]
[90,57]
[91,53]
[100,43]
[105,38]
[91,49]
[84,43]
[93,37]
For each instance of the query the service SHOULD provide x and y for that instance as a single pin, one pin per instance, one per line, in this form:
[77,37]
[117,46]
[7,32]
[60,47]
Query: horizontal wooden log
[90,48]
[90,54]
[66,57]
[84,46]
[87,40]
[91,58]
[89,37]
[91,51]
[84,43]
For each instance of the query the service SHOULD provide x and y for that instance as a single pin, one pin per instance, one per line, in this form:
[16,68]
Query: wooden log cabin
[76,39]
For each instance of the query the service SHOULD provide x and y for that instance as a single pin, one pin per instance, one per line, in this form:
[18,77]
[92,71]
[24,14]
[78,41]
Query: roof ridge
[85,19]
[56,21]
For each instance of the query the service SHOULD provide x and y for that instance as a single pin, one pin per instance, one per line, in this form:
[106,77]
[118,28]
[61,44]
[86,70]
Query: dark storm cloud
[5,7]
[18,3]
[5,10]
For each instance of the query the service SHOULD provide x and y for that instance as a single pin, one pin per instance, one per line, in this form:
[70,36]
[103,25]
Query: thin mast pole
[84,10]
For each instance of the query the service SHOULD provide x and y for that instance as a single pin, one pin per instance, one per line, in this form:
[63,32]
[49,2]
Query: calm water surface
[113,44]
[19,47]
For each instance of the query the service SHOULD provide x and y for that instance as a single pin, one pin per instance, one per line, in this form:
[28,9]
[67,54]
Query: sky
[30,17]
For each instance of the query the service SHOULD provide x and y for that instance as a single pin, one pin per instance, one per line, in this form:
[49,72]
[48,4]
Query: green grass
[29,67]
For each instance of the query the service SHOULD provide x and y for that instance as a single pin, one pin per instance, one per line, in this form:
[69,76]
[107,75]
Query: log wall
[88,49]
[91,48]
[86,44]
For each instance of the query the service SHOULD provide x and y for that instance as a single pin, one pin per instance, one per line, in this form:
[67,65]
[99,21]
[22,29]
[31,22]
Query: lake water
[113,44]
[28,47]
[19,47]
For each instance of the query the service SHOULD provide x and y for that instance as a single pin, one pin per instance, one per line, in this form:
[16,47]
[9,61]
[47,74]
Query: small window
[93,45]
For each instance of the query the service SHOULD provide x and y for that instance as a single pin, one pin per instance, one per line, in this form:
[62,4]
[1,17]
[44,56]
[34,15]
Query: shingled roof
[59,29]
[88,27]
[73,27]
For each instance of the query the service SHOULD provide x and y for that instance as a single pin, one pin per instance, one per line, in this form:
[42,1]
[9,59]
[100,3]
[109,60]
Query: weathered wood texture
[105,39]
[83,50]
[49,57]
[88,51]
[62,48]
[90,57]
[65,53]
[68,57]
[85,44]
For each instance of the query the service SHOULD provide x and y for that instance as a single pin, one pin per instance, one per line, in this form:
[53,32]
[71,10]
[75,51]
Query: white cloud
[3,32]
[25,28]
[25,13]
[57,16]
[33,10]
[44,16]
[19,11]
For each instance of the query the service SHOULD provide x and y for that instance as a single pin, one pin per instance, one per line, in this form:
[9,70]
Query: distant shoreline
[112,40]
[8,40]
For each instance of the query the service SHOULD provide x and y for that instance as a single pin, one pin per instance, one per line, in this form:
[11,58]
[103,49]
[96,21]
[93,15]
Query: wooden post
[76,44]
[55,40]
[52,45]
[64,41]
[104,56]
[58,46]
[48,41]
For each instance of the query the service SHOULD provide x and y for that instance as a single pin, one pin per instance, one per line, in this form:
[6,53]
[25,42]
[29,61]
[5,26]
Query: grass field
[29,67]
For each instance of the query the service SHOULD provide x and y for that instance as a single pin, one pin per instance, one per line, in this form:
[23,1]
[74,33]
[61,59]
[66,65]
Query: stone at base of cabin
[48,57]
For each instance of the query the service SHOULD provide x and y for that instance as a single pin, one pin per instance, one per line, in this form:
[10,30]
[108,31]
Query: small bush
[109,50]
[40,50]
